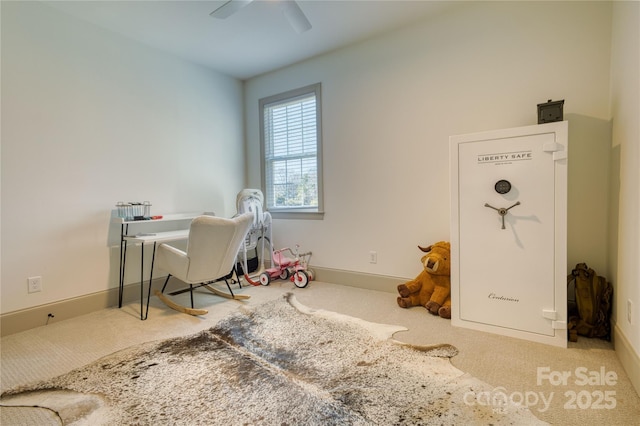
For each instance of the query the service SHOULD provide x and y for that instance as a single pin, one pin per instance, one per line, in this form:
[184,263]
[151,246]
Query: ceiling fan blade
[295,16]
[229,8]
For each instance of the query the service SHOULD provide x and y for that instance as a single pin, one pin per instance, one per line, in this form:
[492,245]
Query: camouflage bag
[590,313]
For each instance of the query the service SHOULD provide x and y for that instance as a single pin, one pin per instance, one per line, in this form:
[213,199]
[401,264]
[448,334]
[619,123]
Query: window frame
[294,212]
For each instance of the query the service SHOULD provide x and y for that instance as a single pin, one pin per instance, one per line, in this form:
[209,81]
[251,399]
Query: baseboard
[26,319]
[384,283]
[628,357]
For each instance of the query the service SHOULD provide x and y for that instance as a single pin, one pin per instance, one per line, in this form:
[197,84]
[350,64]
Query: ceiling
[255,40]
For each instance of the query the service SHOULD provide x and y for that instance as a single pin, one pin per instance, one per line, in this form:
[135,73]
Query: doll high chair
[252,200]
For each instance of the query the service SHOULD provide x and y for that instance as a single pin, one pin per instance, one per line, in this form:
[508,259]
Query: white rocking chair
[211,253]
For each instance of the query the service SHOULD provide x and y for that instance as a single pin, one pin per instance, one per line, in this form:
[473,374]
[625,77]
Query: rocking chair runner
[211,252]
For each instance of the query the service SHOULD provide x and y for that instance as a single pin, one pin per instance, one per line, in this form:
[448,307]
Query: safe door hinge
[557,150]
[559,155]
[551,147]
[553,316]
[549,314]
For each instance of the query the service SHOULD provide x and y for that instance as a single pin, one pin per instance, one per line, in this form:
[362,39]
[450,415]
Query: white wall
[89,119]
[625,108]
[391,103]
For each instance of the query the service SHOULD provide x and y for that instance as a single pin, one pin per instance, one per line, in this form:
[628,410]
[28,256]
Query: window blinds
[291,153]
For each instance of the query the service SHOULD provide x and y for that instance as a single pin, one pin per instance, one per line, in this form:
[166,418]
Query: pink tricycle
[295,269]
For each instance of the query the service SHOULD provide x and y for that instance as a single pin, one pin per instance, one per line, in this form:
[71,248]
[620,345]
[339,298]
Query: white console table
[143,232]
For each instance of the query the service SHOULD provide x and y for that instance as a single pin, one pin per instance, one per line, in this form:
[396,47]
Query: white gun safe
[509,232]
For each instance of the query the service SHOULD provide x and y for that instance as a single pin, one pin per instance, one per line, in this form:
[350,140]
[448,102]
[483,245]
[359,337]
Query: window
[291,152]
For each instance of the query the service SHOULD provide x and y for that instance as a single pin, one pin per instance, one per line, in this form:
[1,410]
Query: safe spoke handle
[502,211]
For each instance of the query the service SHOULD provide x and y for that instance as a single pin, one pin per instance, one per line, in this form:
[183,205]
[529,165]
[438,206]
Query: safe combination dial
[502,186]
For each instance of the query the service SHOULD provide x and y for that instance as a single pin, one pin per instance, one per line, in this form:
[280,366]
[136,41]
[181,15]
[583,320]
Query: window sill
[297,215]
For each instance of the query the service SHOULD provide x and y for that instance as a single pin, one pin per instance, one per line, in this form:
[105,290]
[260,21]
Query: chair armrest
[172,260]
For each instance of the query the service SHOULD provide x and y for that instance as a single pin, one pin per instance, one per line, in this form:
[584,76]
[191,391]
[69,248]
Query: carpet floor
[582,385]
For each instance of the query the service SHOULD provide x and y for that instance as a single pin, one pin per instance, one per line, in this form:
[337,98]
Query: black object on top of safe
[550,111]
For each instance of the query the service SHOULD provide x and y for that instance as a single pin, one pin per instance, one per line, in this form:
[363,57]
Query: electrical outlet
[34,284]
[373,257]
[629,310]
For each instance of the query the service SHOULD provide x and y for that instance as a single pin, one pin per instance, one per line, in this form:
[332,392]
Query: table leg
[124,229]
[141,279]
[153,259]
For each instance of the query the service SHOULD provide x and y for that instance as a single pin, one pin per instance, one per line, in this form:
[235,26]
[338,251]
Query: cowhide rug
[278,364]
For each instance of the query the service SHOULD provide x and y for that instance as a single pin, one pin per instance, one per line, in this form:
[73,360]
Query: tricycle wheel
[284,274]
[300,279]
[265,279]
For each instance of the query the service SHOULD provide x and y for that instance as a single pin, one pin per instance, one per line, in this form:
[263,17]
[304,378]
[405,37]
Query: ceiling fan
[289,8]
